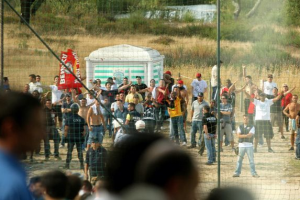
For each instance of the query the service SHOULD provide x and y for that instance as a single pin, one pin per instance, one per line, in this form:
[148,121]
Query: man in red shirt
[287,98]
[160,100]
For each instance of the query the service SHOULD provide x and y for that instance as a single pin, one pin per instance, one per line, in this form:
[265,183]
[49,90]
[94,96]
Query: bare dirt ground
[279,172]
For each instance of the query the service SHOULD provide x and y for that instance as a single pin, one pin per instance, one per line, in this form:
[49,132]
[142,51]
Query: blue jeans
[177,124]
[86,137]
[108,123]
[249,152]
[213,96]
[70,150]
[210,145]
[96,132]
[160,115]
[196,126]
[63,132]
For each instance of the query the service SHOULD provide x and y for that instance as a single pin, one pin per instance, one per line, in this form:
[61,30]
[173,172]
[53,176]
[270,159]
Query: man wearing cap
[141,87]
[133,91]
[168,80]
[95,162]
[268,86]
[66,111]
[286,100]
[198,85]
[74,134]
[196,118]
[262,118]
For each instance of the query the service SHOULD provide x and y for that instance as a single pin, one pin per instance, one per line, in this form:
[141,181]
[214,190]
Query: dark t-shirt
[76,128]
[276,107]
[141,87]
[110,95]
[96,160]
[149,109]
[211,122]
[66,105]
[48,116]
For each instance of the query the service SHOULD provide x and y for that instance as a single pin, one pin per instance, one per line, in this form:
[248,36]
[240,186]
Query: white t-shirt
[89,101]
[214,76]
[246,144]
[56,93]
[34,86]
[262,109]
[198,86]
[268,87]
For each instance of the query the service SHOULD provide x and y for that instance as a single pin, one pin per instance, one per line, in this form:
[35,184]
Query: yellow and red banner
[66,79]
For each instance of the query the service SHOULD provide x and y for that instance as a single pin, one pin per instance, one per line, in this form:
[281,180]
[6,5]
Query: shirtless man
[184,95]
[96,123]
[291,111]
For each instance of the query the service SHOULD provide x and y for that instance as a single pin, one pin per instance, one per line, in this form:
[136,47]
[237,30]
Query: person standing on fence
[263,119]
[214,80]
[286,100]
[198,85]
[176,108]
[245,135]
[196,118]
[141,87]
[209,122]
[291,111]
[225,119]
[267,86]
[74,135]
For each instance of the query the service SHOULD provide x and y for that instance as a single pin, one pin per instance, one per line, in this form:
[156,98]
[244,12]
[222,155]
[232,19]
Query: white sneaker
[184,144]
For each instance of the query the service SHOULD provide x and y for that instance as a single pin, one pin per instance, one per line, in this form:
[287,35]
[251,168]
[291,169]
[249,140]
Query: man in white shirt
[198,85]
[263,119]
[33,85]
[214,80]
[245,134]
[269,85]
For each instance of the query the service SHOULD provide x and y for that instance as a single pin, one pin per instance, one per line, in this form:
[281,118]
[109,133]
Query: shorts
[293,124]
[228,130]
[96,132]
[263,127]
[58,112]
[276,119]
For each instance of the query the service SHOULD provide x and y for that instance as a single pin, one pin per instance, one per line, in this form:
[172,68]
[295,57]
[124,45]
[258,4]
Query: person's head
[122,96]
[36,94]
[125,81]
[38,78]
[133,89]
[275,91]
[32,78]
[131,106]
[110,80]
[68,97]
[224,99]
[206,109]
[83,102]
[245,119]
[270,78]
[152,83]
[55,184]
[162,83]
[48,103]
[149,96]
[138,80]
[168,73]
[228,83]
[262,96]
[136,98]
[285,87]
[180,83]
[56,79]
[91,95]
[35,187]
[295,98]
[120,105]
[98,82]
[26,88]
[108,85]
[117,97]
[176,89]
[198,76]
[74,108]
[248,79]
[21,122]
[212,103]
[74,186]
[5,80]
[174,95]
[200,96]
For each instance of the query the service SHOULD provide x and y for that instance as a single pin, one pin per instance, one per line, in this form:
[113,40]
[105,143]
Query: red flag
[66,79]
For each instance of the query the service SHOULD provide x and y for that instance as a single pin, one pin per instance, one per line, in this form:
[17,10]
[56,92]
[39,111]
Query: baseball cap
[140,124]
[168,72]
[180,81]
[200,94]
[198,75]
[117,124]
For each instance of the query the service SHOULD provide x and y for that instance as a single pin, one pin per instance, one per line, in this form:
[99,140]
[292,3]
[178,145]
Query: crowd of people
[82,119]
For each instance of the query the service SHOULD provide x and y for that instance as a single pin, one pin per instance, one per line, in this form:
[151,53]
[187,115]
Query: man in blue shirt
[21,124]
